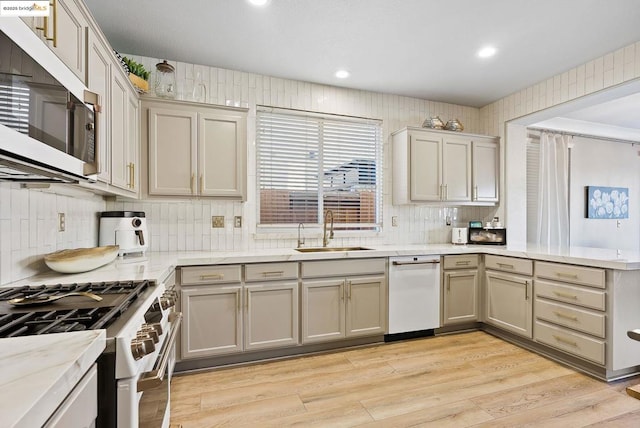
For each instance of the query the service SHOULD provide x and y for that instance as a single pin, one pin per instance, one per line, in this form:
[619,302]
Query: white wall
[602,163]
[176,225]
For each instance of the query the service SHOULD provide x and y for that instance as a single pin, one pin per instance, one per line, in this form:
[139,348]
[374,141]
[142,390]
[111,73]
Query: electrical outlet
[618,224]
[62,223]
[237,221]
[394,221]
[217,221]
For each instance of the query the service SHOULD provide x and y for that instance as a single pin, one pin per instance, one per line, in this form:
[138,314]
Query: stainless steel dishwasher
[414,296]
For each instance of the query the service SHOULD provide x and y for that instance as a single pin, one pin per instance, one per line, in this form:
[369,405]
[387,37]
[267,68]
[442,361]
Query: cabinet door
[366,306]
[460,296]
[456,169]
[69,38]
[485,170]
[222,155]
[119,135]
[172,151]
[509,302]
[99,81]
[426,167]
[213,320]
[132,142]
[271,315]
[323,310]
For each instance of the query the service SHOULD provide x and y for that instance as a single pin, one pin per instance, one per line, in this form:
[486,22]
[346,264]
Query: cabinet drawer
[572,317]
[270,271]
[195,275]
[571,342]
[592,277]
[581,296]
[343,267]
[461,262]
[509,264]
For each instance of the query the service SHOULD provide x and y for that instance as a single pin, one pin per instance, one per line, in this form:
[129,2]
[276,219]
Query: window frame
[343,229]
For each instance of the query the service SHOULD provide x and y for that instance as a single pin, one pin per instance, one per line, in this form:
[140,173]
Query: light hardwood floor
[463,380]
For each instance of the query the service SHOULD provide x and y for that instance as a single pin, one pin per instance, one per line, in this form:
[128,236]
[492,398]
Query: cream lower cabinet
[346,306]
[211,301]
[460,289]
[271,305]
[194,149]
[509,294]
[213,320]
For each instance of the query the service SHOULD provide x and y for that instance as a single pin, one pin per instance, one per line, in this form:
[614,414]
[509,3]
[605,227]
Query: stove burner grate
[69,314]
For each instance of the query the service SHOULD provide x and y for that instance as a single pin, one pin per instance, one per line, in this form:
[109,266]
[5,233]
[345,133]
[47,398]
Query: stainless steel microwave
[35,104]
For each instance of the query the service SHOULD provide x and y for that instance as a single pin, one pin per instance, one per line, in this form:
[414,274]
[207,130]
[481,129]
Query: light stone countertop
[38,372]
[157,266]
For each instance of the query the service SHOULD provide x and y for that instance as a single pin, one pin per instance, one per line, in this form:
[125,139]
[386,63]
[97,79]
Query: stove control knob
[148,334]
[167,301]
[141,347]
[155,327]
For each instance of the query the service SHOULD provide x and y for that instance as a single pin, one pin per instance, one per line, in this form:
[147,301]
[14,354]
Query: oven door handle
[154,378]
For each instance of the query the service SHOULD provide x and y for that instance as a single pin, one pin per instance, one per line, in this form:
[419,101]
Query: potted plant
[137,74]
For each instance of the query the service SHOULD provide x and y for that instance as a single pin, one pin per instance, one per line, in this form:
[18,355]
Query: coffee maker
[127,229]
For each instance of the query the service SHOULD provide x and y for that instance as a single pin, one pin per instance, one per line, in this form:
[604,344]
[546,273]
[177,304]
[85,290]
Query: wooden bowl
[77,260]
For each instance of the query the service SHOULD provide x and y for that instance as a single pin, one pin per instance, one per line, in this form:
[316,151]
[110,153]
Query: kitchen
[178,226]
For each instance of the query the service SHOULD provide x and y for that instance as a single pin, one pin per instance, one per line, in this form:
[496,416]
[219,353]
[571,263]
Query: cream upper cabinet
[439,166]
[486,167]
[124,134]
[195,150]
[456,169]
[99,61]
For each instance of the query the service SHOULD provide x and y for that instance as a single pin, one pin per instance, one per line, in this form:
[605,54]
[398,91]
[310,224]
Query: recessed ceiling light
[342,74]
[487,51]
[258,2]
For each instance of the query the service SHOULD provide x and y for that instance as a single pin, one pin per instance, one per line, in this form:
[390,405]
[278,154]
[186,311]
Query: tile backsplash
[29,226]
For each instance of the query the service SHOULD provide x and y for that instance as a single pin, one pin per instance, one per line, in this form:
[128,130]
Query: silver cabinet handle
[430,262]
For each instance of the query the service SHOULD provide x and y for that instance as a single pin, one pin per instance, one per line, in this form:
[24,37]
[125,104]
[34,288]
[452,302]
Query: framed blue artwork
[607,202]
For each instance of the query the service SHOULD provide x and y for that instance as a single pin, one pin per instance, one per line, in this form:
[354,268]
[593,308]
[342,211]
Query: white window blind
[533,164]
[14,106]
[309,163]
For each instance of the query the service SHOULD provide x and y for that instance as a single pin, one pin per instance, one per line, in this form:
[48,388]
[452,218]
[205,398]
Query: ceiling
[419,48]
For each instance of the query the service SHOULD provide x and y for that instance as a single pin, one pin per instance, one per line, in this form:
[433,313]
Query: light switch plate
[62,222]
[217,221]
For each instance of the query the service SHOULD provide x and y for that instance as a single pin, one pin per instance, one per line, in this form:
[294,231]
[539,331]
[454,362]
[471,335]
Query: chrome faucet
[300,238]
[328,214]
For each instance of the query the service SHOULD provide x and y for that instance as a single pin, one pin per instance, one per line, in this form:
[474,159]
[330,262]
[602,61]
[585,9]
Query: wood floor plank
[577,411]
[537,394]
[458,414]
[625,420]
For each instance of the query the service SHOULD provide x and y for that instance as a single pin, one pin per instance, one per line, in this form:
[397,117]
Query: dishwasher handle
[428,262]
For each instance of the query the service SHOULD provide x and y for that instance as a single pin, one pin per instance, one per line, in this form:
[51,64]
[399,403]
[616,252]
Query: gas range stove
[141,327]
[72,313]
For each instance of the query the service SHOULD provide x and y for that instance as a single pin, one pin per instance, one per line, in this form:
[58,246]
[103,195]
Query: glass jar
[165,86]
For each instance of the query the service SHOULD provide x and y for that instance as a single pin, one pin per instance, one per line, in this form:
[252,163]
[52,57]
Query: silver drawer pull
[565,341]
[565,295]
[273,273]
[566,316]
[462,262]
[212,276]
[430,262]
[567,275]
[505,266]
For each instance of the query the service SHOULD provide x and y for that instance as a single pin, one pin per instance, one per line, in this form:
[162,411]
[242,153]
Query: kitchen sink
[329,249]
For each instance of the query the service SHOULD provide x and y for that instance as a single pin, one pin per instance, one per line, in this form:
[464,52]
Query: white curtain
[553,191]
